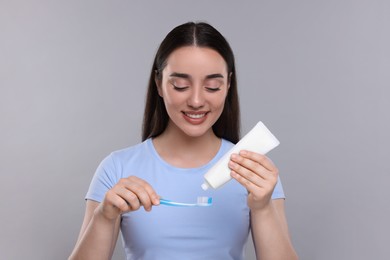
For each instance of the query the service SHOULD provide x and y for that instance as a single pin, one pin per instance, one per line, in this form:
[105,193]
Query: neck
[185,151]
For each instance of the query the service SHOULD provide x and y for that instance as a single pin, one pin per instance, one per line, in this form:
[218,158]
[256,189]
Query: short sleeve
[278,191]
[104,179]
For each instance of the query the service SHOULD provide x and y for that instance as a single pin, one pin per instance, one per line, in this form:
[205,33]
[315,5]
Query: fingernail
[243,152]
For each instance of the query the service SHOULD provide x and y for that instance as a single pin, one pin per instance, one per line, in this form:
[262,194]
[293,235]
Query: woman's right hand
[129,194]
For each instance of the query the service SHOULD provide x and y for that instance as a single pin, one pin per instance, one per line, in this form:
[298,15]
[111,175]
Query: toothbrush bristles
[204,200]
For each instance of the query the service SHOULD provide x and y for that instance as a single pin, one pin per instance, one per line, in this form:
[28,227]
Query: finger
[153,196]
[251,165]
[112,199]
[142,195]
[259,189]
[260,159]
[244,173]
[249,185]
[130,198]
[143,190]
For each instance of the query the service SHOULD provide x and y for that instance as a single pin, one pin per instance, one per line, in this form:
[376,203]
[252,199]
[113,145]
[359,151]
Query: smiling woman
[191,120]
[193,87]
[202,36]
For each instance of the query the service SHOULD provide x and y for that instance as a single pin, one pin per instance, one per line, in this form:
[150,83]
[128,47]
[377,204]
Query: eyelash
[184,88]
[213,89]
[178,88]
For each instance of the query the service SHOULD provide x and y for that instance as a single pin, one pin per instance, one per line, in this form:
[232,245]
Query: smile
[195,116]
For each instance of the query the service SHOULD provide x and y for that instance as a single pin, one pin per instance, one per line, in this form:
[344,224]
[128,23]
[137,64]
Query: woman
[191,119]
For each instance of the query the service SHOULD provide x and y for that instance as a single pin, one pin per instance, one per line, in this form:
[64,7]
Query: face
[194,86]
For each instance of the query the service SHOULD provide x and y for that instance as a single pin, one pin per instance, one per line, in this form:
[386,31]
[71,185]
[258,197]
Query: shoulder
[130,151]
[116,159]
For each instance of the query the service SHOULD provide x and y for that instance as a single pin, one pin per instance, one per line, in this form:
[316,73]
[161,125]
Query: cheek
[221,104]
[220,101]
[171,98]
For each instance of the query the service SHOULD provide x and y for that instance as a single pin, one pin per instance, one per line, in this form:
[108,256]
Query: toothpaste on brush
[259,140]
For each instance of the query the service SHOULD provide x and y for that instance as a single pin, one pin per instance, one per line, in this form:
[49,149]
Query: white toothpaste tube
[259,140]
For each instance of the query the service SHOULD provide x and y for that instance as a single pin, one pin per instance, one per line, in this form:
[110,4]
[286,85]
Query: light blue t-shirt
[216,232]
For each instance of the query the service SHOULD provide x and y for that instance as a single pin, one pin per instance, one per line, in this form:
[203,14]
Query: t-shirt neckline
[217,156]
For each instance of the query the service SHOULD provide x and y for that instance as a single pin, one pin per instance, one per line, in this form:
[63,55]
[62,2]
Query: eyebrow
[180,75]
[213,76]
[186,76]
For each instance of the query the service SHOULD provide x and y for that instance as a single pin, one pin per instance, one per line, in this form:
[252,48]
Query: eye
[179,84]
[179,88]
[213,89]
[213,85]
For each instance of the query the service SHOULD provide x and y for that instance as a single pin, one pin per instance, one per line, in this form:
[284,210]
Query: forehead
[196,60]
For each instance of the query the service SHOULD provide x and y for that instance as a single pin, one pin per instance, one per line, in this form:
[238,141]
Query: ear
[229,79]
[157,80]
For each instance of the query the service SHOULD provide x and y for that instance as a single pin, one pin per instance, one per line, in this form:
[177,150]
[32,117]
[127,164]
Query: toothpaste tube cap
[205,186]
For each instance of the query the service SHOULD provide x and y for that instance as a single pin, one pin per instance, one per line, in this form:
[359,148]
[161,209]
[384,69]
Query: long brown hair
[192,34]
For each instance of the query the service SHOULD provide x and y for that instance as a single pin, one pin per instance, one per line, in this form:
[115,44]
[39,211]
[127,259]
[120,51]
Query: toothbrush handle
[177,204]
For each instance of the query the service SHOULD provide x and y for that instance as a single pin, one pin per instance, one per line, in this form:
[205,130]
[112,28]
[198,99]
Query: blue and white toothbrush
[201,202]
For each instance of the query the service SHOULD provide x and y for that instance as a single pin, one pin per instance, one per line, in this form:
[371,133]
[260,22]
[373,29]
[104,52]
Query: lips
[195,118]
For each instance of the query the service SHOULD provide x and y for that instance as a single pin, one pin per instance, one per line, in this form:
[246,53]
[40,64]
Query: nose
[196,99]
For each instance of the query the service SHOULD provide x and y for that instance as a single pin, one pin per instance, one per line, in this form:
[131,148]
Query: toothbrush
[201,202]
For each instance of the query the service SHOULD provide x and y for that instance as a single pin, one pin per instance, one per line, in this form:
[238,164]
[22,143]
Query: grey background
[72,84]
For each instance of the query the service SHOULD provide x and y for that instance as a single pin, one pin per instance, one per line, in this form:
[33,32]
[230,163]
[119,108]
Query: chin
[196,133]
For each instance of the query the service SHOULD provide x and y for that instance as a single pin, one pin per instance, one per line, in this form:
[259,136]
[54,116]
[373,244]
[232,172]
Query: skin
[194,86]
[202,77]
[269,227]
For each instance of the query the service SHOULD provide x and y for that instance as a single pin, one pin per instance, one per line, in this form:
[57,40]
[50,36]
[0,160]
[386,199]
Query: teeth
[195,116]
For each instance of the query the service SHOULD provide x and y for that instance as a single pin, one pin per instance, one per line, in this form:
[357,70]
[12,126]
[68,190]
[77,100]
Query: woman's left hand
[257,174]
